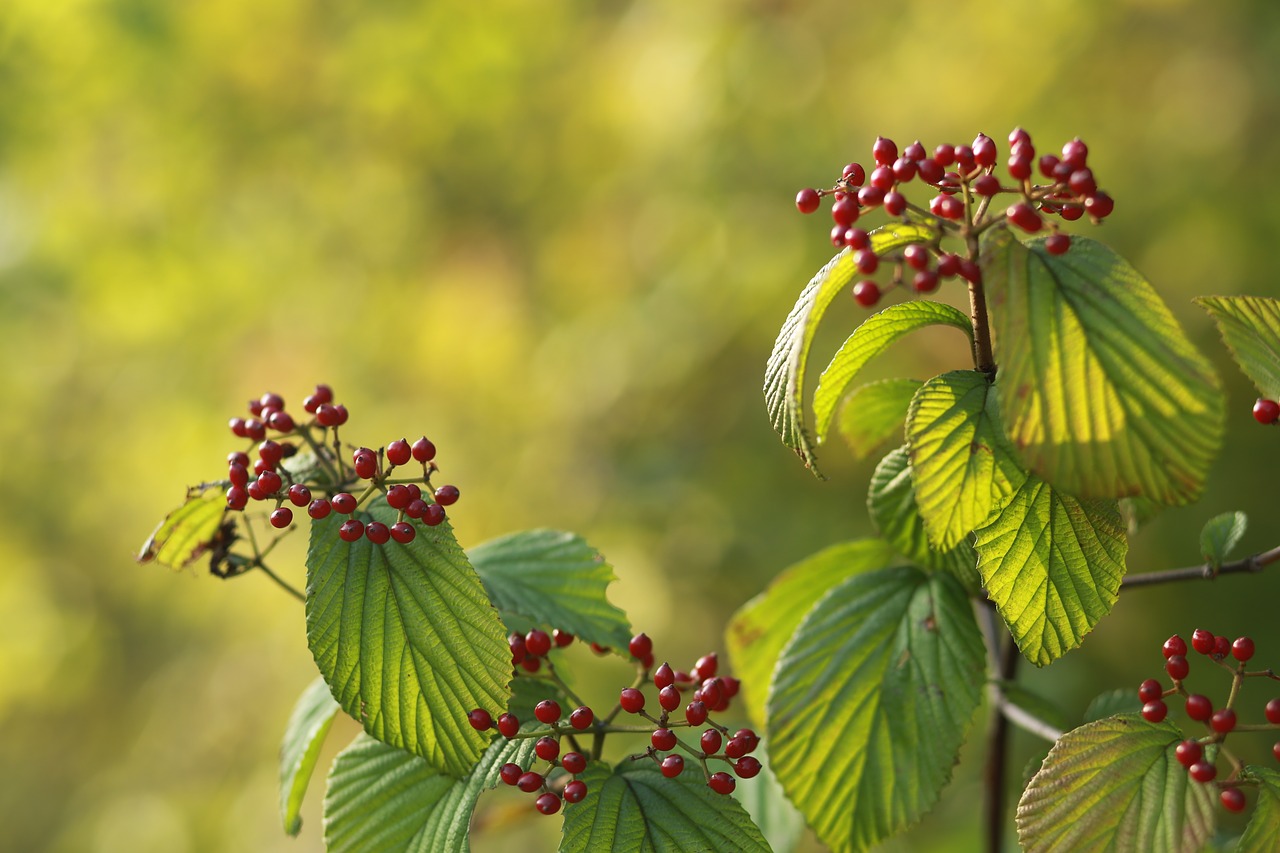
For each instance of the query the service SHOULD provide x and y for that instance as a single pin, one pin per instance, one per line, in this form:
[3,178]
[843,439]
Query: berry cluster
[1200,755]
[1266,411]
[274,481]
[966,180]
[708,691]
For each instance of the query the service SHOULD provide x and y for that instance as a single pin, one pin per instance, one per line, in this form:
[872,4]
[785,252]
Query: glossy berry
[631,700]
[318,508]
[575,791]
[748,767]
[1175,645]
[1221,646]
[480,720]
[710,693]
[987,185]
[695,713]
[722,783]
[433,515]
[1242,649]
[882,178]
[403,532]
[853,174]
[282,518]
[866,293]
[895,203]
[1188,752]
[511,773]
[515,642]
[1202,641]
[547,711]
[1099,205]
[561,639]
[269,482]
[582,718]
[237,497]
[1023,216]
[1149,691]
[1266,411]
[925,281]
[529,781]
[416,508]
[870,196]
[351,530]
[547,748]
[1232,799]
[299,495]
[663,676]
[509,725]
[1154,712]
[343,503]
[1273,712]
[1057,244]
[271,453]
[710,741]
[663,739]
[748,735]
[946,207]
[1275,750]
[1199,707]
[537,642]
[845,211]
[640,646]
[807,200]
[885,151]
[669,697]
[904,168]
[672,765]
[398,452]
[423,450]
[1177,667]
[377,532]
[366,465]
[1202,771]
[446,495]
[866,261]
[399,497]
[1223,721]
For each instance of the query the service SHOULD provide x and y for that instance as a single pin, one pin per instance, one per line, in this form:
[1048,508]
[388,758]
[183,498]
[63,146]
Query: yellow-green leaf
[187,532]
[1250,327]
[1264,824]
[303,736]
[874,413]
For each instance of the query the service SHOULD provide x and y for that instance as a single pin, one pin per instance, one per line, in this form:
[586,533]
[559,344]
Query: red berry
[255,491]
[970,271]
[271,453]
[433,515]
[547,711]
[925,281]
[446,495]
[904,169]
[403,532]
[318,508]
[509,725]
[870,196]
[640,646]
[663,676]
[1242,649]
[1221,646]
[515,641]
[710,694]
[529,782]
[837,235]
[1154,712]
[1099,205]
[856,238]
[575,791]
[807,200]
[948,265]
[269,482]
[672,765]
[561,638]
[1175,645]
[748,767]
[398,497]
[1275,750]
[669,697]
[1273,712]
[631,700]
[1266,411]
[1202,771]
[845,211]
[866,293]
[547,748]
[710,741]
[866,260]
[574,762]
[537,642]
[663,739]
[1202,641]
[1047,163]
[511,773]
[281,422]
[736,747]
[1075,152]
[237,497]
[1177,667]
[695,713]
[1020,167]
[416,508]
[882,178]
[366,465]
[722,783]
[1057,244]
[984,150]
[1199,707]
[581,718]
[885,151]
[1223,721]
[1188,752]
[748,735]
[1024,217]
[916,256]
[377,532]
[351,530]
[480,720]
[299,494]
[1232,799]
[946,207]
[854,174]
[531,664]
[282,517]
[1149,691]
[987,185]
[343,503]
[895,203]
[930,171]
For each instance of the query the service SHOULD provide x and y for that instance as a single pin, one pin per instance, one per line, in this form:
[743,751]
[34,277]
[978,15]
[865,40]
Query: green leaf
[767,804]
[891,501]
[554,579]
[763,626]
[875,413]
[1264,825]
[1052,565]
[1250,327]
[1119,701]
[873,337]
[308,725]
[1115,785]
[635,808]
[1221,534]
[1102,393]
[406,638]
[961,464]
[383,798]
[871,700]
[188,531]
[785,373]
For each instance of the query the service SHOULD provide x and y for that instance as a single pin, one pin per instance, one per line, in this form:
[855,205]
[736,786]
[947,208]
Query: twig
[997,753]
[1024,719]
[1205,571]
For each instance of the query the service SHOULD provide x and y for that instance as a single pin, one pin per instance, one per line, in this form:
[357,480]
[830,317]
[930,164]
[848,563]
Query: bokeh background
[558,238]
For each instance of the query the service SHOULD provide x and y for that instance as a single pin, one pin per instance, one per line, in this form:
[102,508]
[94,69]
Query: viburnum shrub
[1077,408]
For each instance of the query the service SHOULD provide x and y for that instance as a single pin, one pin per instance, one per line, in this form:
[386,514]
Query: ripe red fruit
[1273,712]
[870,196]
[560,639]
[480,720]
[1223,721]
[282,518]
[548,710]
[866,261]
[433,515]
[1020,167]
[663,676]
[710,693]
[531,664]
[299,494]
[672,765]
[1275,750]
[509,725]
[1199,707]
[511,773]
[987,185]
[984,150]
[343,503]
[925,281]
[640,646]
[351,530]
[854,174]
[1202,771]
[1242,649]
[946,207]
[736,747]
[1221,646]
[547,804]
[575,791]
[547,748]
[1266,411]
[529,782]
[1081,182]
[281,422]
[403,532]
[1154,712]
[537,642]
[856,238]
[948,265]
[722,783]
[807,200]
[1099,205]
[399,497]
[1149,691]
[1175,645]
[1023,216]
[1075,152]
[748,767]
[1057,244]
[581,718]
[377,532]
[916,256]
[669,697]
[1202,641]
[574,762]
[1232,799]
[446,495]
[416,508]
[930,171]
[885,151]
[866,293]
[271,453]
[882,177]
[1177,667]
[895,203]
[663,739]
[631,700]
[1188,752]
[318,508]
[269,482]
[845,211]
[710,741]
[695,713]
[904,168]
[255,491]
[366,465]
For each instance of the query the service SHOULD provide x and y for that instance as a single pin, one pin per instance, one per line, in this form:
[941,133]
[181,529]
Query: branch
[997,753]
[1205,571]
[1024,719]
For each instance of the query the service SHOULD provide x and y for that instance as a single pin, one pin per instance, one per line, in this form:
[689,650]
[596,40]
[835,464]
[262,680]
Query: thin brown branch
[1205,571]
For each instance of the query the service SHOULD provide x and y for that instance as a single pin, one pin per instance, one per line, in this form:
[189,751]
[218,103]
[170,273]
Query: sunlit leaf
[1102,393]
[383,798]
[1052,565]
[1250,327]
[554,579]
[780,822]
[303,736]
[763,626]
[875,413]
[1115,785]
[873,337]
[785,373]
[962,466]
[871,701]
[1221,534]
[891,501]
[406,638]
[187,532]
[635,809]
[1264,824]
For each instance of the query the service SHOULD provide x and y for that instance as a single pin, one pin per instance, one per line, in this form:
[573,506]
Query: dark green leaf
[1264,825]
[871,700]
[1115,785]
[1221,534]
[1119,701]
[1052,565]
[873,337]
[1250,327]
[962,467]
[763,626]
[785,373]
[406,638]
[554,579]
[635,809]
[892,503]
[767,804]
[1102,393]
[187,532]
[875,413]
[308,725]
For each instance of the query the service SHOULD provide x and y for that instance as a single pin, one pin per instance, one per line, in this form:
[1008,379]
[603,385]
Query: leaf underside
[1250,327]
[304,735]
[875,413]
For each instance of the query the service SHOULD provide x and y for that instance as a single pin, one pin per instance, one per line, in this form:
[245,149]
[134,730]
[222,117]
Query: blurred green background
[558,238]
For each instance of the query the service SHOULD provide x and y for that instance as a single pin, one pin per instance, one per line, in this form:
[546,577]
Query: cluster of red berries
[272,481]
[710,693]
[1191,753]
[966,180]
[1266,411]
